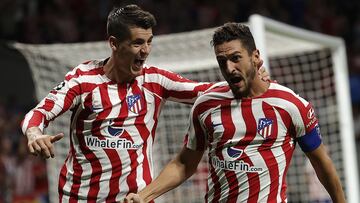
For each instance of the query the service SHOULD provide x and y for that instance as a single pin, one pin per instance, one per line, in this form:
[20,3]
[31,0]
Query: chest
[254,122]
[119,102]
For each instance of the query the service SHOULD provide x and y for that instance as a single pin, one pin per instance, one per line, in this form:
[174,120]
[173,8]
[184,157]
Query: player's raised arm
[175,172]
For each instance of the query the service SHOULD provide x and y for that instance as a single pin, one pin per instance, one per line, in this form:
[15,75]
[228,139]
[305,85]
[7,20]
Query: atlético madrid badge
[134,103]
[264,127]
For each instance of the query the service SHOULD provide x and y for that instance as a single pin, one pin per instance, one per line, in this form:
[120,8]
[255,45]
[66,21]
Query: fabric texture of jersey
[250,141]
[112,128]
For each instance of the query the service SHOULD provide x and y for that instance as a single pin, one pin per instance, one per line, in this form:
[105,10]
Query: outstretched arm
[326,172]
[175,172]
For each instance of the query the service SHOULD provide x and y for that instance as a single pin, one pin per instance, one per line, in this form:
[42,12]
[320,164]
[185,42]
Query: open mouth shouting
[236,80]
[138,64]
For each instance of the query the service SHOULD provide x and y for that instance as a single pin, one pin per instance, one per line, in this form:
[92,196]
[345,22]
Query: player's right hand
[40,144]
[133,198]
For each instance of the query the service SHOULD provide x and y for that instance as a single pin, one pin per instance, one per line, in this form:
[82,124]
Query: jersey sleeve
[196,138]
[174,87]
[307,129]
[61,98]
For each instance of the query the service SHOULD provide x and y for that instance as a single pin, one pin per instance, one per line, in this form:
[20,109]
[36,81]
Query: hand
[263,74]
[40,144]
[133,198]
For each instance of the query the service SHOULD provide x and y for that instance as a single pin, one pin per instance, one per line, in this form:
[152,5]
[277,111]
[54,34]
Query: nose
[145,49]
[230,66]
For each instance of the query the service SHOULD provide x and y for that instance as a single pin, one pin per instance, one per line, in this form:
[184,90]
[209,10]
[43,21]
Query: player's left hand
[133,198]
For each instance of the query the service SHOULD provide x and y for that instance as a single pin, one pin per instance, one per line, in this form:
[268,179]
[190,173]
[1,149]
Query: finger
[261,70]
[56,138]
[44,149]
[36,147]
[261,62]
[31,149]
[50,148]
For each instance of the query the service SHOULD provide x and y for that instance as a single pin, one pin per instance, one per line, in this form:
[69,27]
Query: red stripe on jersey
[144,132]
[217,185]
[115,162]
[76,177]
[286,147]
[62,177]
[296,101]
[155,116]
[35,119]
[267,155]
[229,132]
[96,165]
[250,123]
[200,134]
[131,178]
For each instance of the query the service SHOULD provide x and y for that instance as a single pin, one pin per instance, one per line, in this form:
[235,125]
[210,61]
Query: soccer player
[115,105]
[250,128]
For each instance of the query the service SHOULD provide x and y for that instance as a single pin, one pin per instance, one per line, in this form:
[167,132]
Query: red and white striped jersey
[112,128]
[250,141]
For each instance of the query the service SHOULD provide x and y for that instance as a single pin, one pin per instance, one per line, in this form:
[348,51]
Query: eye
[138,43]
[222,62]
[235,58]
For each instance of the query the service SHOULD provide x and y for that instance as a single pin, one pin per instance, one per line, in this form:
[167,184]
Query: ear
[256,58]
[113,43]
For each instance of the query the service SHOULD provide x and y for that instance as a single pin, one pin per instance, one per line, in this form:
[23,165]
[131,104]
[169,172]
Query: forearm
[326,172]
[172,176]
[328,177]
[175,173]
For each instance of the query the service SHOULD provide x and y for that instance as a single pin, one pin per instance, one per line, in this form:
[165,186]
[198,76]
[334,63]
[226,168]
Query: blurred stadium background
[23,178]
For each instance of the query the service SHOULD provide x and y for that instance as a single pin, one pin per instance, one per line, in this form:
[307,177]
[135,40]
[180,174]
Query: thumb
[56,138]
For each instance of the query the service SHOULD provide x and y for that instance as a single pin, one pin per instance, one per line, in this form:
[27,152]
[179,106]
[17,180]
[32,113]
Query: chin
[137,71]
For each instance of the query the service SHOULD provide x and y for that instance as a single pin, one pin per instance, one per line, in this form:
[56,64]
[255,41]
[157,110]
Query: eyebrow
[142,40]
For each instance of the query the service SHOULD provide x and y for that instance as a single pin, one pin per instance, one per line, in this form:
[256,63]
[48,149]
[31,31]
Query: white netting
[304,66]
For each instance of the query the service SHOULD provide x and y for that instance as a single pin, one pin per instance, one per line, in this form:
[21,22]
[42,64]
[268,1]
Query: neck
[258,87]
[113,71]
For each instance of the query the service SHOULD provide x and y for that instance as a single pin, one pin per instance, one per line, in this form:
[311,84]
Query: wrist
[32,133]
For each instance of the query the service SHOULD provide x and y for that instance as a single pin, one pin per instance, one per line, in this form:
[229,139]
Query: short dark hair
[121,19]
[232,31]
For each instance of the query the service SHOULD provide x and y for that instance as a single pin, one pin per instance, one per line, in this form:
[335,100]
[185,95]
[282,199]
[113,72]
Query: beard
[248,78]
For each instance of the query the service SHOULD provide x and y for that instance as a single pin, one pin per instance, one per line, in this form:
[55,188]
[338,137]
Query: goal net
[311,64]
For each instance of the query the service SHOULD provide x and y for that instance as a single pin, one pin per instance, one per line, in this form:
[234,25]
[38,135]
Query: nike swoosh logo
[214,125]
[96,109]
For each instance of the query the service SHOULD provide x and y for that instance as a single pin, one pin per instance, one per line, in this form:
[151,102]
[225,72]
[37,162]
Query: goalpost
[312,64]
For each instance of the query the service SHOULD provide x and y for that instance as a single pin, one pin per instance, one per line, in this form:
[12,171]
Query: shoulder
[284,93]
[218,93]
[86,70]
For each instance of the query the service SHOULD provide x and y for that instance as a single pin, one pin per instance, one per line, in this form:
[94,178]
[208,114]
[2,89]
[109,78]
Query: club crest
[134,103]
[264,127]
